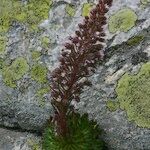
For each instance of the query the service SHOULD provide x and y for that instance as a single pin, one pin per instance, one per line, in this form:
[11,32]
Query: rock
[14,140]
[24,93]
[121,130]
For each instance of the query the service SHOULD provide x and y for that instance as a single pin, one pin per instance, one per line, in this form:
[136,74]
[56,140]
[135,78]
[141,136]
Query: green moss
[3,41]
[83,136]
[39,73]
[15,71]
[123,20]
[134,96]
[70,10]
[135,40]
[45,42]
[31,13]
[145,2]
[35,55]
[112,105]
[87,8]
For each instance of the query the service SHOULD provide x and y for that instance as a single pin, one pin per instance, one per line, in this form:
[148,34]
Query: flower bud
[68,46]
[75,40]
[78,33]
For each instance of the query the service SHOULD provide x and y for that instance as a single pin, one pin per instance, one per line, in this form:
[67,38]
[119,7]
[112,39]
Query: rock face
[11,140]
[119,98]
[30,44]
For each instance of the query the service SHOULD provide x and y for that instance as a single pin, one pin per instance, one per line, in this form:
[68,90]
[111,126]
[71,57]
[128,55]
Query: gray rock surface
[14,140]
[25,108]
[119,132]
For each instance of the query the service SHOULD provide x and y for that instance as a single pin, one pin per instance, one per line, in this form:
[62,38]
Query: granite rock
[25,98]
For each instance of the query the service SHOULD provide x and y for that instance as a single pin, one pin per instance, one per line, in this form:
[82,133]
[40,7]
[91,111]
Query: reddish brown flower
[77,62]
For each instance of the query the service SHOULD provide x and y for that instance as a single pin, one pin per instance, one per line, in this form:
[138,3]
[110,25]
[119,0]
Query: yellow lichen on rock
[86,9]
[30,13]
[133,94]
[123,20]
[15,71]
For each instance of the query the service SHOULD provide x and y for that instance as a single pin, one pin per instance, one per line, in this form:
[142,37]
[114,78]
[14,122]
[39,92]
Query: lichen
[70,10]
[30,13]
[123,20]
[145,2]
[3,41]
[45,41]
[6,10]
[34,145]
[135,40]
[15,71]
[87,8]
[43,91]
[35,55]
[112,105]
[39,73]
[133,94]
[37,11]
[40,94]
